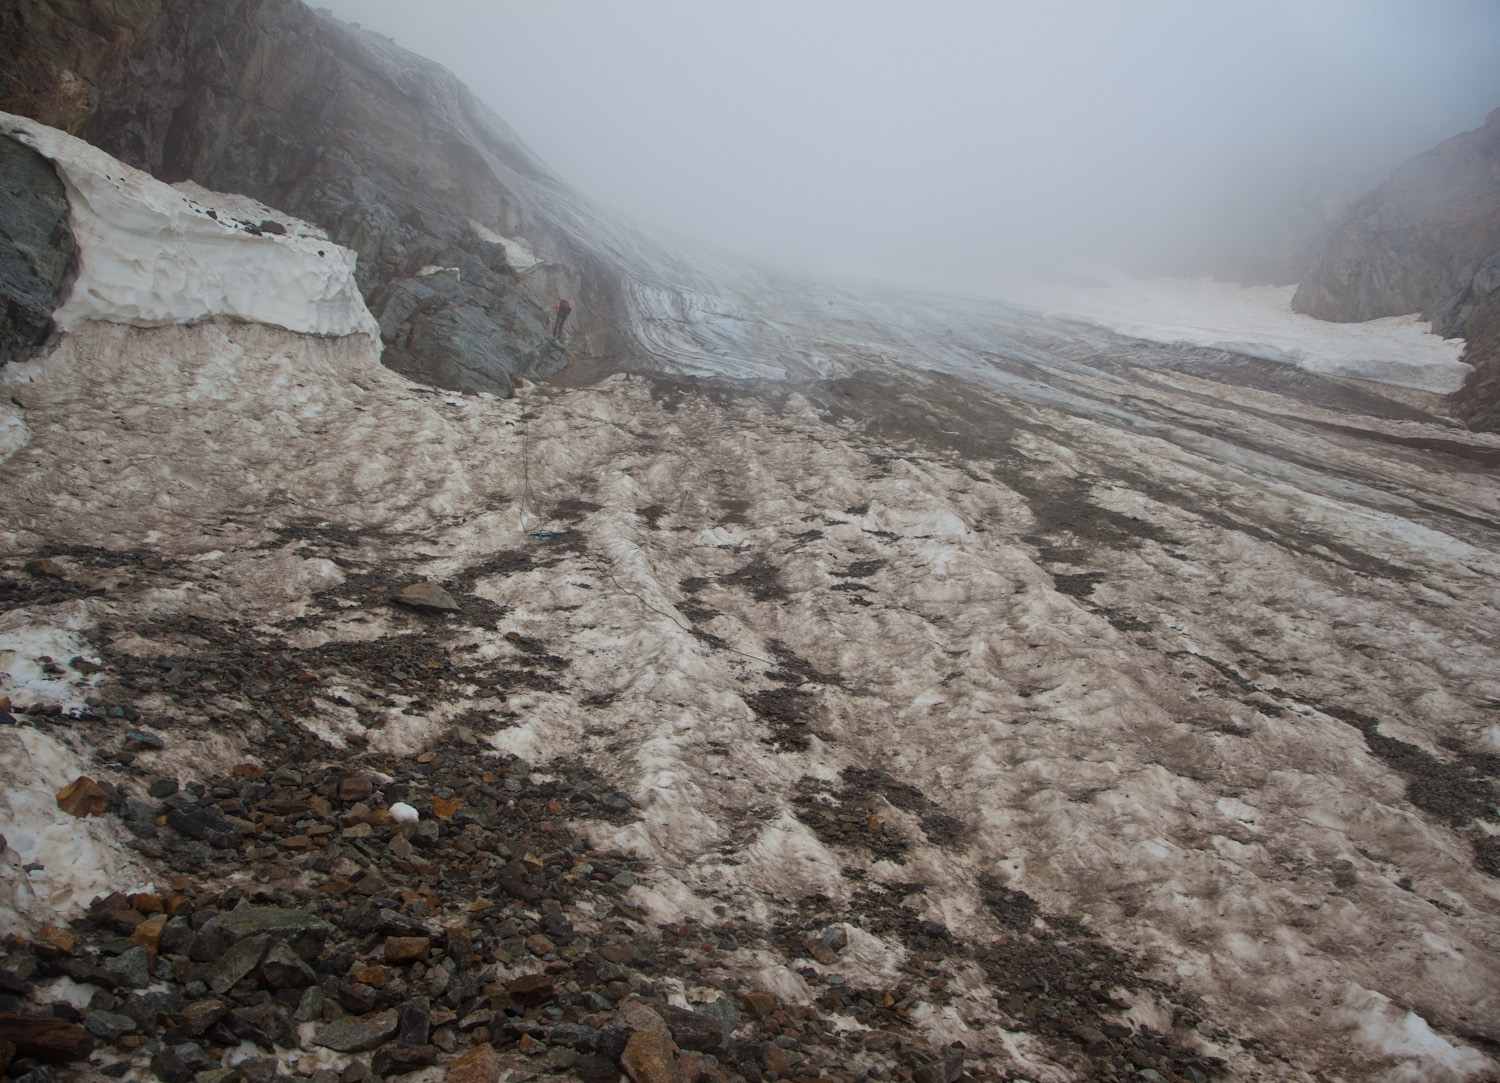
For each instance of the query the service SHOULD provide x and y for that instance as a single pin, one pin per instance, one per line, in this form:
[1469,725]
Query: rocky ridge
[1428,241]
[385,151]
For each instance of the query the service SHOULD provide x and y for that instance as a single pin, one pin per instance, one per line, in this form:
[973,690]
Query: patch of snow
[150,254]
[24,643]
[78,858]
[403,813]
[1414,1054]
[13,430]
[722,537]
[1256,321]
[517,253]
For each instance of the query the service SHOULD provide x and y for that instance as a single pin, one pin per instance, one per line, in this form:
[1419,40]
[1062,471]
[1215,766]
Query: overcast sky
[925,139]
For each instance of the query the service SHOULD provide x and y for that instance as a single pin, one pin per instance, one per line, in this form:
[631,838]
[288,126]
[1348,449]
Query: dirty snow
[74,859]
[150,254]
[1105,611]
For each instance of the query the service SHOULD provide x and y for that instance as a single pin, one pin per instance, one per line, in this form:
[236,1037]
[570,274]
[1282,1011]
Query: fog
[939,142]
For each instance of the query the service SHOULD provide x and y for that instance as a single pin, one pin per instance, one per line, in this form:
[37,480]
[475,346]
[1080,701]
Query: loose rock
[426,595]
[82,797]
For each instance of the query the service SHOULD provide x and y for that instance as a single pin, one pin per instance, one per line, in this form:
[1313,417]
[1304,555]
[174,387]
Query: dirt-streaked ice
[1109,608]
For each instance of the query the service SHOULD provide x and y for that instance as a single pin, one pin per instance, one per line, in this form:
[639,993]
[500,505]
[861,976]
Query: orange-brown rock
[373,976]
[45,1038]
[444,807]
[82,797]
[148,935]
[407,949]
[820,951]
[775,1060]
[648,1058]
[695,1068]
[54,941]
[481,1064]
[530,990]
[759,1004]
[615,953]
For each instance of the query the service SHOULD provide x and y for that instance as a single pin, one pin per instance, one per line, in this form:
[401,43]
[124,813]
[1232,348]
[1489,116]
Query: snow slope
[1109,609]
[1256,321]
[151,254]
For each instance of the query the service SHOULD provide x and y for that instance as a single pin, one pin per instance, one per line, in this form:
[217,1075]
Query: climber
[563,308]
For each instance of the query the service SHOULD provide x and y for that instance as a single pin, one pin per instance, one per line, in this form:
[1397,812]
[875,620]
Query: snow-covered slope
[1178,661]
[151,254]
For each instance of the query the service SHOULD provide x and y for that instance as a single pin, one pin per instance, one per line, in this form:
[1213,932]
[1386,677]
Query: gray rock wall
[388,152]
[1428,241]
[37,249]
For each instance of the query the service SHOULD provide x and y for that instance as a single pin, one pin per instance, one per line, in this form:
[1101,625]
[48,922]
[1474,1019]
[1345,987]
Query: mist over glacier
[956,141]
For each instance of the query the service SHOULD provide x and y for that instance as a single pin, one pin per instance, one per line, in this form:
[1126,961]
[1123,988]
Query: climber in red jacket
[563,308]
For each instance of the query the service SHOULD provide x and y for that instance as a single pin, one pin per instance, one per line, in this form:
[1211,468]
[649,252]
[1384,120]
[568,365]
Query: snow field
[1147,754]
[1256,321]
[1078,753]
[150,254]
[77,859]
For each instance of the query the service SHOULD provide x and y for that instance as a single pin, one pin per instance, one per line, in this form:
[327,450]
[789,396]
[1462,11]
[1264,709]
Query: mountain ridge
[1426,240]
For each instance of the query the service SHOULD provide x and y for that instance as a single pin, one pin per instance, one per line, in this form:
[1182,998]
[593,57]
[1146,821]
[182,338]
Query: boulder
[45,1038]
[304,933]
[199,823]
[356,1035]
[480,1064]
[37,250]
[425,595]
[649,1058]
[82,797]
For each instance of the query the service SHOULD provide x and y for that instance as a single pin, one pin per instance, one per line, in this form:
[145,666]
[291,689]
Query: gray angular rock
[723,1013]
[108,1025]
[131,967]
[37,249]
[268,1023]
[237,962]
[199,823]
[282,968]
[310,1007]
[304,933]
[692,1030]
[357,1035]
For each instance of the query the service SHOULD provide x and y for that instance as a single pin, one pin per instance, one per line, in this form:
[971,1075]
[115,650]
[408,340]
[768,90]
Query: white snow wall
[151,255]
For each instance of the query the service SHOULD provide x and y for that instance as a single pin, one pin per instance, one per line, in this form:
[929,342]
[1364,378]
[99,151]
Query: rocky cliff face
[1428,241]
[386,151]
[36,249]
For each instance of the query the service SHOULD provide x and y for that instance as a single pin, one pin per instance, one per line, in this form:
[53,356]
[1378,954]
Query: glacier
[1117,608]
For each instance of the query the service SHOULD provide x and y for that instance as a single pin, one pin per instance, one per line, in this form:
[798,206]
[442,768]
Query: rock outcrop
[386,151]
[1428,241]
[36,248]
